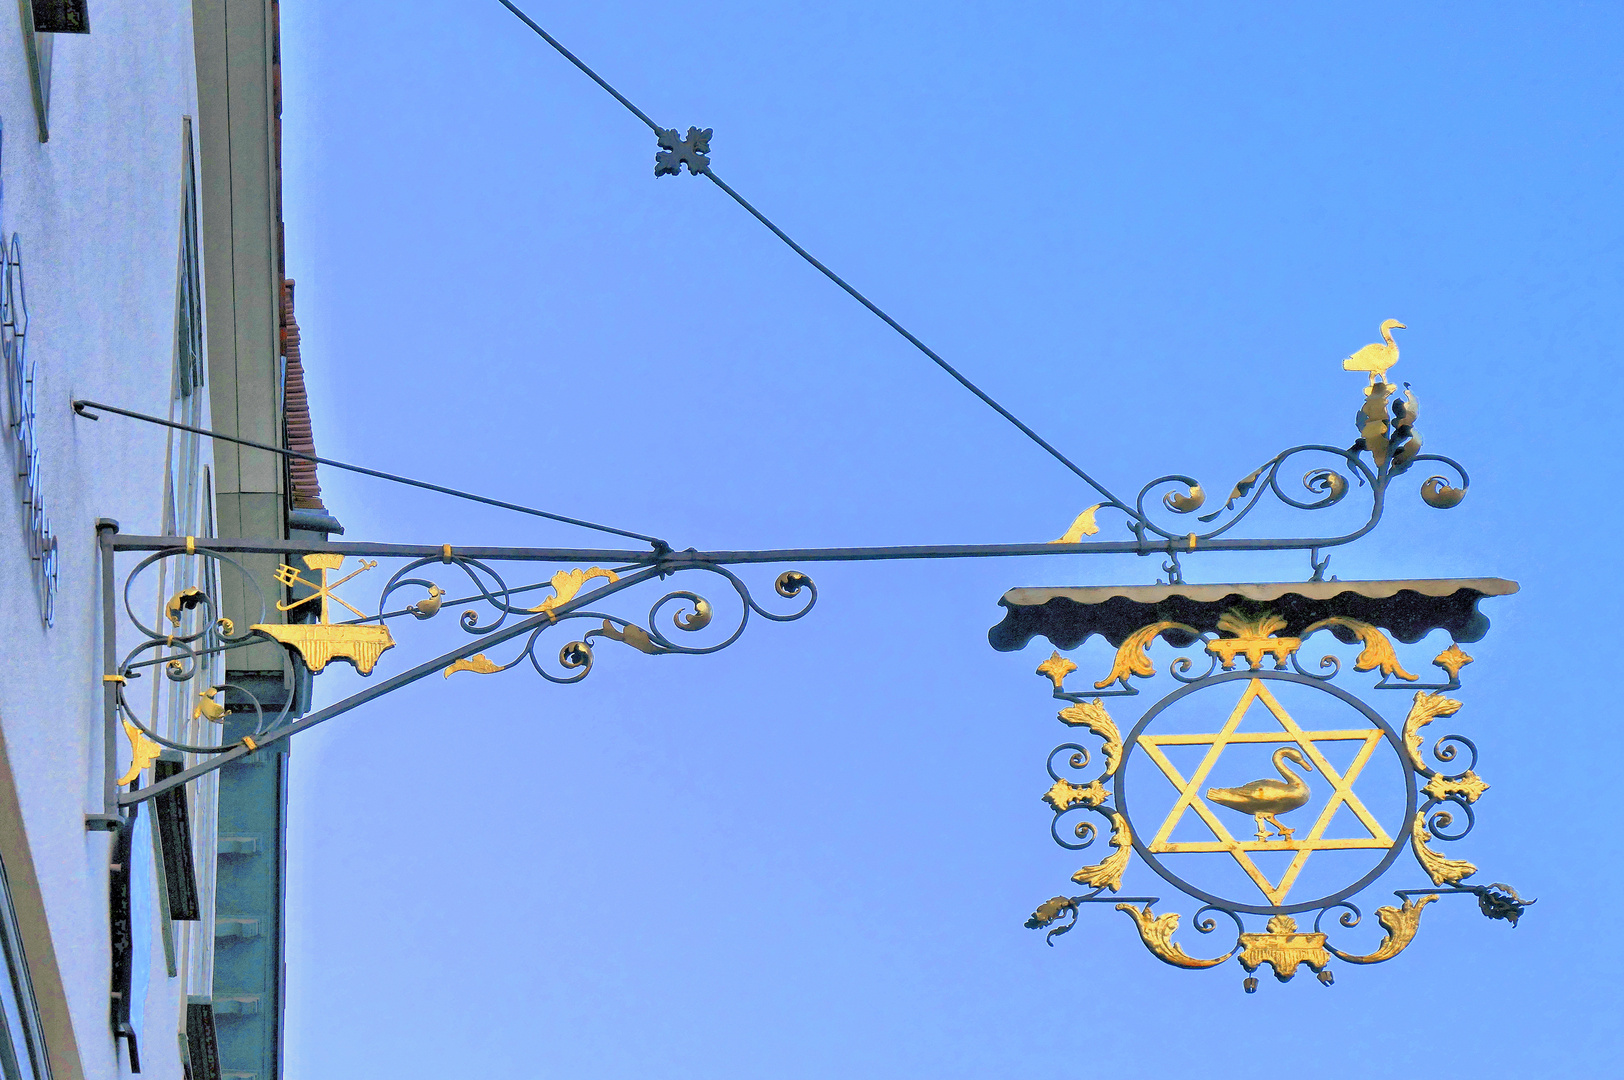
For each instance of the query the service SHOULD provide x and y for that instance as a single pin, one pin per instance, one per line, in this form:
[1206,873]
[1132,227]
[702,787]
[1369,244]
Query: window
[22,1040]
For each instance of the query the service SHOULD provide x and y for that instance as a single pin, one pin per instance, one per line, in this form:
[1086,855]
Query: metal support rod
[106,530]
[682,559]
[908,336]
[81,406]
[429,667]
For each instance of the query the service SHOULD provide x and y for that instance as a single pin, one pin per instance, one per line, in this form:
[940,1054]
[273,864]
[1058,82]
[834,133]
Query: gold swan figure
[1378,356]
[1265,798]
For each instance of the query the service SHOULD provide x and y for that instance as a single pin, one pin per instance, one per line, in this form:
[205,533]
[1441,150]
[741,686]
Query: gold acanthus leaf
[1108,874]
[1084,525]
[633,635]
[1241,625]
[1400,923]
[478,663]
[1373,420]
[1064,795]
[1133,659]
[1423,710]
[143,752]
[1469,787]
[1242,486]
[1452,660]
[566,583]
[1156,931]
[1378,650]
[1404,417]
[1092,715]
[1441,870]
[1057,667]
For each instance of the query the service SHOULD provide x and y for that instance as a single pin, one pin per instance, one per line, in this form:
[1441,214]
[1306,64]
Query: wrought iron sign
[1265,789]
[1247,735]
[1268,790]
[1348,790]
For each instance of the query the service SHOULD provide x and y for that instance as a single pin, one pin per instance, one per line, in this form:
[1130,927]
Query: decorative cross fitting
[676,152]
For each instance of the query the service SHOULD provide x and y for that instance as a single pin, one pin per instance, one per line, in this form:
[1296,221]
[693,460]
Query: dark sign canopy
[1408,610]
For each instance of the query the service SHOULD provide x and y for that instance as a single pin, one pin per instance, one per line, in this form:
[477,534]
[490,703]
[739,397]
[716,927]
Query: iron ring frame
[1400,841]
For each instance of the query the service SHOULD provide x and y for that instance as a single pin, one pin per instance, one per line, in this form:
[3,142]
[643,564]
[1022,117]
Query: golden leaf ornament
[1108,874]
[1057,667]
[478,663]
[1092,715]
[1084,525]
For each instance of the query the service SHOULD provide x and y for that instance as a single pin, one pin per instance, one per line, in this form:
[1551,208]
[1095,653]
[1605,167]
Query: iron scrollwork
[1388,446]
[191,628]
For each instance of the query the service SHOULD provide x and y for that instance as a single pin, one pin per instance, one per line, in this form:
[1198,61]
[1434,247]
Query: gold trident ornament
[322,641]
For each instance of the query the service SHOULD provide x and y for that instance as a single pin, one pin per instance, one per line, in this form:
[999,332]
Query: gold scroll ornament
[1400,923]
[566,583]
[322,641]
[1108,874]
[1378,650]
[1133,657]
[1441,869]
[1156,931]
[1424,709]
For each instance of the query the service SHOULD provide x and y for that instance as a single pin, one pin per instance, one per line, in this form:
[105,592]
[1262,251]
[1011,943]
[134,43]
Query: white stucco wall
[98,212]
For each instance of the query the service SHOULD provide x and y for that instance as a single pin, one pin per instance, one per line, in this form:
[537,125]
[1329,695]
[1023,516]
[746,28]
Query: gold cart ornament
[1229,766]
[323,641]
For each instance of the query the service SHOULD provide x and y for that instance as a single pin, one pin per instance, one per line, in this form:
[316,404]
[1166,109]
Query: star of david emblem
[1265,798]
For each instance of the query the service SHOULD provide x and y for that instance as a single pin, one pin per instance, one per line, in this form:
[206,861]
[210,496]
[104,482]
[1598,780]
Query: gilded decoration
[1133,657]
[566,583]
[1283,948]
[1253,637]
[1467,785]
[1092,715]
[1084,525]
[1424,709]
[1378,650]
[1340,782]
[478,663]
[1065,795]
[1452,660]
[1108,874]
[1156,931]
[1442,870]
[1302,746]
[323,641]
[1057,667]
[143,752]
[1400,923]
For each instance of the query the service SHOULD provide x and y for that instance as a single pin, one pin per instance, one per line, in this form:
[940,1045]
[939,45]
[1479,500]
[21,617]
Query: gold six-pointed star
[1291,734]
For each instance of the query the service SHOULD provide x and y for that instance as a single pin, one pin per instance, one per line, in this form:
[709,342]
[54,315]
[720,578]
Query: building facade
[141,214]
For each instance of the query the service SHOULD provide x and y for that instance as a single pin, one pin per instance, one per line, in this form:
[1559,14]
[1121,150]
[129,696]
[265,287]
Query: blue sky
[1152,232]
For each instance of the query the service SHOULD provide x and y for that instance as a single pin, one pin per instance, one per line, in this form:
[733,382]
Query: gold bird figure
[209,706]
[1378,356]
[1265,798]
